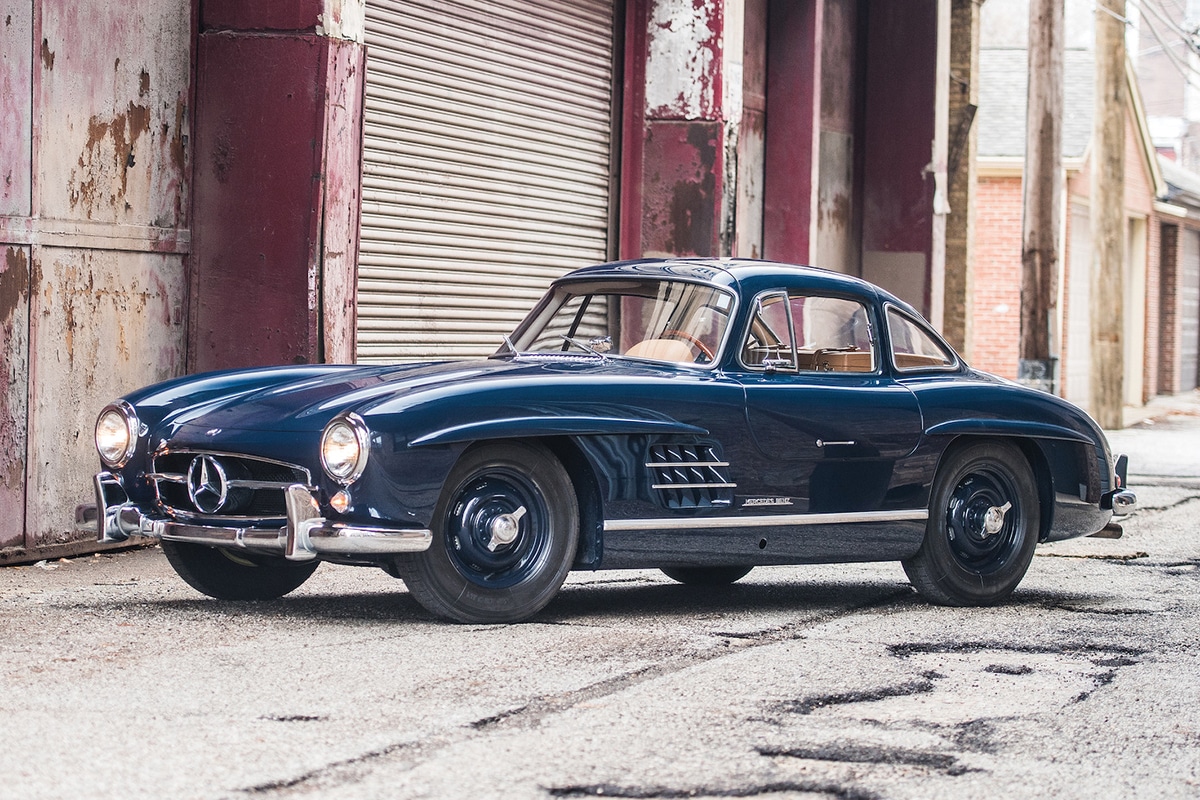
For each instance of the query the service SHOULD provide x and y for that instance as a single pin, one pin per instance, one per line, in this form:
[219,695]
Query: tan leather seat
[662,350]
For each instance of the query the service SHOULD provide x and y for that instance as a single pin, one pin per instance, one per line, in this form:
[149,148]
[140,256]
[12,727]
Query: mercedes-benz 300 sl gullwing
[702,417]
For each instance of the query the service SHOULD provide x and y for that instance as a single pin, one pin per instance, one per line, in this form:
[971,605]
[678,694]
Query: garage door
[487,163]
[1189,309]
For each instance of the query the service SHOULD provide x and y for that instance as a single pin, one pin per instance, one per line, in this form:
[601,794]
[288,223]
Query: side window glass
[809,334]
[769,343]
[834,335]
[913,348]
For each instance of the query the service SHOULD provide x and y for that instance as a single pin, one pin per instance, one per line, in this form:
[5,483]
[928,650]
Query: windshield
[659,320]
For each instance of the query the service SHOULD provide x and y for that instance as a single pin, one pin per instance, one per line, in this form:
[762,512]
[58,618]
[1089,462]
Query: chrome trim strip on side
[687,463]
[693,486]
[760,521]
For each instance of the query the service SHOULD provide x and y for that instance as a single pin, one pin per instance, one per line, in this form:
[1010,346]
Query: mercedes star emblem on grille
[207,485]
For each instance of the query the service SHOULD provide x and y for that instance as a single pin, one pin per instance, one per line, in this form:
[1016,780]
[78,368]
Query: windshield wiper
[508,342]
[585,347]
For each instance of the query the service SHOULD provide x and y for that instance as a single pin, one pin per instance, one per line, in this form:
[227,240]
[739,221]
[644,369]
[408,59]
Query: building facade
[223,184]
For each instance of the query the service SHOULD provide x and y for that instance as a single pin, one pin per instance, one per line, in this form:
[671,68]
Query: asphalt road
[832,682]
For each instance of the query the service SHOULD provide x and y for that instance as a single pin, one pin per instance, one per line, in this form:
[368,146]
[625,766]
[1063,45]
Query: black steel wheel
[706,576]
[983,527]
[505,531]
[227,575]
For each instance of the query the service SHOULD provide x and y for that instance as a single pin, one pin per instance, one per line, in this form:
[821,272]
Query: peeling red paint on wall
[683,59]
[14,388]
[681,199]
[93,232]
[16,75]
[101,177]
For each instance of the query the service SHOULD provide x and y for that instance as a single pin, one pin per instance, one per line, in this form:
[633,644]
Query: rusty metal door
[94,232]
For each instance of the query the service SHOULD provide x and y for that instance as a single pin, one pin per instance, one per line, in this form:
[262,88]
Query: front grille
[690,476]
[253,488]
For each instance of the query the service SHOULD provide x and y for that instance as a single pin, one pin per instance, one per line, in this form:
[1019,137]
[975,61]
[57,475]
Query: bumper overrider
[307,535]
[1121,500]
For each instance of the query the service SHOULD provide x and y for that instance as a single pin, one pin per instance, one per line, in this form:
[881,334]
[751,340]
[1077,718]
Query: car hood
[309,403]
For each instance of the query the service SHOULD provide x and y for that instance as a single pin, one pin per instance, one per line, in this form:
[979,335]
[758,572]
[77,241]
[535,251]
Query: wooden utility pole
[1042,187]
[1108,216]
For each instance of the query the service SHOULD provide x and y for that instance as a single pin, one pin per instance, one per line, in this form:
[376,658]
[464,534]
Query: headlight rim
[362,435]
[132,426]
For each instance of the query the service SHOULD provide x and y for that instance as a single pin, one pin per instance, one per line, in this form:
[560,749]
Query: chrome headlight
[116,434]
[345,445]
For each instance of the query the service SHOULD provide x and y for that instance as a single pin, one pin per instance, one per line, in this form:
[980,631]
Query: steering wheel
[704,349]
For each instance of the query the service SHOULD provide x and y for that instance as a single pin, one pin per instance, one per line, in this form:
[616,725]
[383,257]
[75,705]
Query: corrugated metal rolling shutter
[486,166]
[1189,311]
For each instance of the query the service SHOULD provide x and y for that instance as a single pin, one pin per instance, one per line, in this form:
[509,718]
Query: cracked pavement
[797,682]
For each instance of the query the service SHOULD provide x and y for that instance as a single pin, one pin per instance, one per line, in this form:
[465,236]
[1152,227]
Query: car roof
[749,276]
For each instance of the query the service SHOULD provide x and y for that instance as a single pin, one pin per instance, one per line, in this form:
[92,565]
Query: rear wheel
[505,531]
[706,576]
[982,529]
[236,576]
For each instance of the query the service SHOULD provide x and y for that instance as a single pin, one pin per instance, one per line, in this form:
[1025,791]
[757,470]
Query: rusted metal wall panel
[793,125]
[258,192]
[836,244]
[14,389]
[682,189]
[683,60]
[112,96]
[341,206]
[673,170]
[103,323]
[276,182]
[899,130]
[94,228]
[16,112]
[752,130]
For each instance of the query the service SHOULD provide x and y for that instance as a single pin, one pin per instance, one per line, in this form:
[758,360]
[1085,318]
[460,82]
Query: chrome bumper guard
[306,536]
[1120,499]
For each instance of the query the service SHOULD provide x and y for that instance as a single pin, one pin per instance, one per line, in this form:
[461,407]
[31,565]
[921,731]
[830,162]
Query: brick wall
[996,295]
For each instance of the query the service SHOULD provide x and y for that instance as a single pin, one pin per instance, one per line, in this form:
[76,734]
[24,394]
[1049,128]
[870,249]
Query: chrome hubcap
[504,529]
[993,520]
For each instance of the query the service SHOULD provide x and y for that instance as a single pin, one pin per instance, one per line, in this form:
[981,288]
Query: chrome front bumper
[306,536]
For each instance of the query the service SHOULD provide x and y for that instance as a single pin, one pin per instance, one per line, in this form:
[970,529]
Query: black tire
[236,576]
[706,576]
[459,577]
[960,563]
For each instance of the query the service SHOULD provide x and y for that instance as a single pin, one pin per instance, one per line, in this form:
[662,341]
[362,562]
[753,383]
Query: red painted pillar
[793,122]
[674,129]
[278,144]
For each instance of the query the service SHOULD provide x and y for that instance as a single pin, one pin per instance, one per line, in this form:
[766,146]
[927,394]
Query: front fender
[537,426]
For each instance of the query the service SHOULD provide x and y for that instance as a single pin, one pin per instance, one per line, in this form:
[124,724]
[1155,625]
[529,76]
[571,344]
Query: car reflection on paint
[704,417]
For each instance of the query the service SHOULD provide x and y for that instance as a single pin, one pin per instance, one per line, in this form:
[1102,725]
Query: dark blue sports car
[699,416]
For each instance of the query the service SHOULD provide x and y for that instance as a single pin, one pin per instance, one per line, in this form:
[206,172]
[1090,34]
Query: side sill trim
[761,521]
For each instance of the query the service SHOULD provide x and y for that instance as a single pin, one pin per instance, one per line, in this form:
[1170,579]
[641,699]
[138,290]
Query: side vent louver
[689,476]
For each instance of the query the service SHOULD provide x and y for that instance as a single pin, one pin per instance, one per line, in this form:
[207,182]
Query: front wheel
[982,529]
[236,576]
[505,531]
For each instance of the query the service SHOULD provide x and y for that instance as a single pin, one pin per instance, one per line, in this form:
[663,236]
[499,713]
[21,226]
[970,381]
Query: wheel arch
[587,492]
[1034,455]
